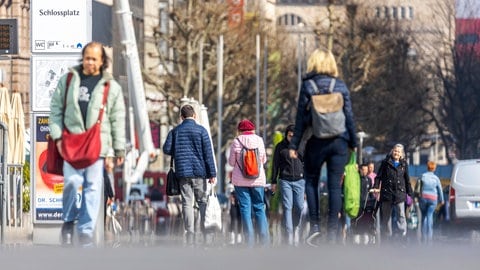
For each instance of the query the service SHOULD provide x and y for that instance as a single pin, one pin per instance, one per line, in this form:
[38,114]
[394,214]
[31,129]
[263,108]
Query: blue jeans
[335,152]
[427,207]
[293,193]
[251,198]
[82,193]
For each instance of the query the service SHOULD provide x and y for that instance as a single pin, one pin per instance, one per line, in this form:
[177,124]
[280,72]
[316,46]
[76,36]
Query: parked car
[442,213]
[464,194]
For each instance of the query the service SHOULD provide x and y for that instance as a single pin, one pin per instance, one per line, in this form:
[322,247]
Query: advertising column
[60,30]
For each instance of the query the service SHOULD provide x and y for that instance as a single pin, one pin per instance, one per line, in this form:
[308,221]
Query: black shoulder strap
[174,137]
[240,142]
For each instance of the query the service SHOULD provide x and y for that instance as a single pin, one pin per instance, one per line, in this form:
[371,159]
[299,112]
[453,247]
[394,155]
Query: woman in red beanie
[250,191]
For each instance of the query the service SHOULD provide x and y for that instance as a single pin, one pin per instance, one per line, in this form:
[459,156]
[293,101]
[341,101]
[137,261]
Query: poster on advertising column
[47,188]
[46,71]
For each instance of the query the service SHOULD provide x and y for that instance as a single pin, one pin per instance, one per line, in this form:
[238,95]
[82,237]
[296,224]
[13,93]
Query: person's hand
[212,180]
[274,188]
[58,143]
[293,153]
[119,160]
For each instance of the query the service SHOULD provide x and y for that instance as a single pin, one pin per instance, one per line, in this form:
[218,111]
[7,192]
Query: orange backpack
[250,162]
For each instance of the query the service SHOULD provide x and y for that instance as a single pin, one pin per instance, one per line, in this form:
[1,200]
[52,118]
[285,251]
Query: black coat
[285,167]
[394,182]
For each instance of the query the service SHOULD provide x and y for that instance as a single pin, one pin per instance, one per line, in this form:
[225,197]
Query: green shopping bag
[351,187]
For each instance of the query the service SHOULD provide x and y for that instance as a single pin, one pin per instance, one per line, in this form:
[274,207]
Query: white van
[464,195]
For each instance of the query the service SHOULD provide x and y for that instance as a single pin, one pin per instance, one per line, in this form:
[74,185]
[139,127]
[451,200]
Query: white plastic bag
[213,213]
[112,221]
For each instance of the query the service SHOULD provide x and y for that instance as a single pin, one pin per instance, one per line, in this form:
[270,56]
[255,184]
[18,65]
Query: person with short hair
[431,194]
[393,181]
[79,111]
[371,171]
[289,172]
[190,146]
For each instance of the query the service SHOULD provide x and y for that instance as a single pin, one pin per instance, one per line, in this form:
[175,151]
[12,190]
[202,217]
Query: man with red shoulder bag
[87,100]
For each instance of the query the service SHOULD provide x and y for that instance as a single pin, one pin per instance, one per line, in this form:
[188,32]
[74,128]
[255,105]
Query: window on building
[289,20]
[410,12]
[297,2]
[395,12]
[378,12]
[404,12]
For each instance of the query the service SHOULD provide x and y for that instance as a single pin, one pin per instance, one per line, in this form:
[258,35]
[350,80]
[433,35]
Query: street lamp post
[361,135]
[299,57]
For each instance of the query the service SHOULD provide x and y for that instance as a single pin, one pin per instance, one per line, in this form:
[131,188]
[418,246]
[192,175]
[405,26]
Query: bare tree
[455,84]
[198,24]
[387,84]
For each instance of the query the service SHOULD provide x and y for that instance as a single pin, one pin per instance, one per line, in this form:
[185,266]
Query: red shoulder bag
[83,149]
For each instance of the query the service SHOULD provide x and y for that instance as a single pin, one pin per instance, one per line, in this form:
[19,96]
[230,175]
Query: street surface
[175,257]
[456,247]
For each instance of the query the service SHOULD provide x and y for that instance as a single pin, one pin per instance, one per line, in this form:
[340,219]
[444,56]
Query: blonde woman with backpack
[333,137]
[247,156]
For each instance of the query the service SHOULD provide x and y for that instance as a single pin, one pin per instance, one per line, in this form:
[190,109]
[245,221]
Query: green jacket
[113,123]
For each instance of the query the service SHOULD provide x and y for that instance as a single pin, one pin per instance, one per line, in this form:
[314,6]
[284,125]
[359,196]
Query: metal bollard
[3,176]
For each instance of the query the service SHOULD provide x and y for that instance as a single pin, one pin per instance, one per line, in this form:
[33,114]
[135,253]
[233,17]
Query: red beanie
[246,125]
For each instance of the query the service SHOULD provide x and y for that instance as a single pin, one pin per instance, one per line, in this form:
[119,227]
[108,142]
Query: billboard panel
[60,26]
[47,188]
[467,9]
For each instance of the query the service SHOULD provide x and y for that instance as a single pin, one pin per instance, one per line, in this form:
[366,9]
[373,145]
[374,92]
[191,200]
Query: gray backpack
[328,119]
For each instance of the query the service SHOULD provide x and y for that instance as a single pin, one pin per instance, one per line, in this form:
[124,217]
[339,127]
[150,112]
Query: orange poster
[47,187]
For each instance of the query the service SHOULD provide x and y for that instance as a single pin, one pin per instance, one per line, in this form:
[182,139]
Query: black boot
[314,235]
[67,233]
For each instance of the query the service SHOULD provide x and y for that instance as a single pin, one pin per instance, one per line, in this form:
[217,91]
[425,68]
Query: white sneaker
[290,239]
[239,238]
[232,238]
[356,239]
[296,236]
[366,239]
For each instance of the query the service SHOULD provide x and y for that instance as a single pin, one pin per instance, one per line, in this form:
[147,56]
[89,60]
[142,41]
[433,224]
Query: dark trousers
[335,153]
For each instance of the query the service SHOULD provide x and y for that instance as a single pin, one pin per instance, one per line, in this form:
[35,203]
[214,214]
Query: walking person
[77,109]
[430,192]
[393,181]
[235,228]
[250,192]
[289,172]
[333,149]
[371,171]
[190,146]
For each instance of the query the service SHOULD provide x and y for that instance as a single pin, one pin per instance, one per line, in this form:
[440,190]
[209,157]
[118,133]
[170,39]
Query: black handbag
[173,186]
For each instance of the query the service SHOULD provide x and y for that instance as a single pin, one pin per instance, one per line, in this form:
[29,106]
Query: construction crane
[135,162]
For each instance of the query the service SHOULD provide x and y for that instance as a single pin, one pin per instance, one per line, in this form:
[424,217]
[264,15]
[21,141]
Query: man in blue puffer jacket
[190,146]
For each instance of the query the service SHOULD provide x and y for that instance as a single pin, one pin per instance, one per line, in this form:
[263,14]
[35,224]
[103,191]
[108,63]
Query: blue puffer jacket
[192,151]
[304,119]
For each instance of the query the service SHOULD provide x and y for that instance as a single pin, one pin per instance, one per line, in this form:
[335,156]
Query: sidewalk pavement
[18,235]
